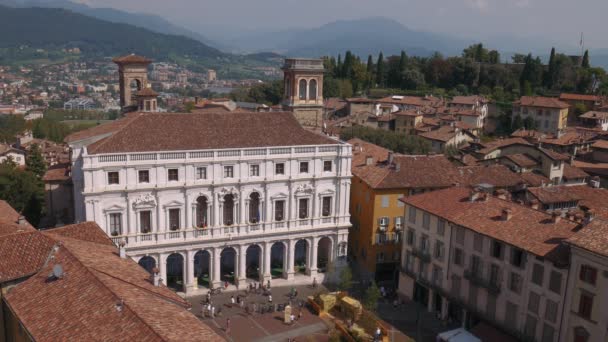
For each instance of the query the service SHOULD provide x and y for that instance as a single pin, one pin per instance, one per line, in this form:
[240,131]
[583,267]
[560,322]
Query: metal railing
[480,281]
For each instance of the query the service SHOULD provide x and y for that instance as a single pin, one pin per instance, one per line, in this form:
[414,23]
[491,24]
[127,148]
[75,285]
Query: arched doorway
[324,254]
[277,260]
[229,210]
[301,256]
[228,265]
[202,268]
[254,208]
[148,263]
[175,271]
[253,261]
[202,206]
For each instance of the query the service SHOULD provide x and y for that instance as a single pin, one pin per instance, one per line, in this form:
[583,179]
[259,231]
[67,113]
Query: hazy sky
[555,20]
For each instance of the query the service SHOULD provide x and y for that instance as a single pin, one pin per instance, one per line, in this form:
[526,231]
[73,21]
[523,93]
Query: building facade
[250,195]
[549,114]
[476,258]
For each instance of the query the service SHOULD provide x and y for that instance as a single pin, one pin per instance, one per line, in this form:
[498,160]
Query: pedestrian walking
[299,314]
[292,318]
[314,283]
[268,284]
[269,298]
[226,284]
[213,312]
[232,300]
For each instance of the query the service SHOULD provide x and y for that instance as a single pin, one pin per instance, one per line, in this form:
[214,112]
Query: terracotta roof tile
[57,172]
[132,58]
[443,133]
[579,97]
[534,179]
[496,175]
[23,254]
[573,172]
[101,130]
[553,194]
[594,237]
[100,297]
[522,160]
[488,147]
[528,229]
[175,131]
[146,92]
[539,101]
[468,100]
[595,115]
[600,144]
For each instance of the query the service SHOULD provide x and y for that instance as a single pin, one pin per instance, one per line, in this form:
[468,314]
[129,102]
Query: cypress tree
[586,64]
[550,79]
[380,70]
[339,67]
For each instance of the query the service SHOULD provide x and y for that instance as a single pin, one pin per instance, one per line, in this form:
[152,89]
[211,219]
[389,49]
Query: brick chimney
[506,214]
[474,195]
[556,217]
[534,204]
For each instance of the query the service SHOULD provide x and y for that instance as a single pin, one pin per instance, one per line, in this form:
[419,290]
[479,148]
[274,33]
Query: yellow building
[380,178]
[549,114]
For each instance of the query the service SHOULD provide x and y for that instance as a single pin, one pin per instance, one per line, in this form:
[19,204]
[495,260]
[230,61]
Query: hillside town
[186,216]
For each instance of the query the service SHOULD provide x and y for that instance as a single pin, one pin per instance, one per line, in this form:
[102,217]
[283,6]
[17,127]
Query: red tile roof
[553,194]
[594,237]
[414,172]
[528,229]
[469,100]
[595,115]
[22,254]
[443,134]
[197,131]
[579,97]
[146,92]
[496,175]
[491,146]
[573,172]
[101,130]
[539,101]
[132,58]
[100,297]
[57,172]
[600,144]
[521,160]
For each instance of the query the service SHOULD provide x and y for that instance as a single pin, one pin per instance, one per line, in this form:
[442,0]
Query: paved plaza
[263,327]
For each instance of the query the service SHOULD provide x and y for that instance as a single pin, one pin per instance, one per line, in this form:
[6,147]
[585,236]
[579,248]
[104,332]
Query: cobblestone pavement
[258,327]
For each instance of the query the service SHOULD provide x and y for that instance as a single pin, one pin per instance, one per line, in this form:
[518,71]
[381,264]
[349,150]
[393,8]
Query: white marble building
[216,197]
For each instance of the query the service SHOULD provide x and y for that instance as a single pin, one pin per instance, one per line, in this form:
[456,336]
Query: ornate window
[174,219]
[279,210]
[202,214]
[254,208]
[229,210]
[145,221]
[115,224]
[326,206]
[312,90]
[303,208]
[302,89]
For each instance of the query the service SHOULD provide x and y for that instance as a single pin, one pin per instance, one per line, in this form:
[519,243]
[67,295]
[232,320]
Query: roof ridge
[98,144]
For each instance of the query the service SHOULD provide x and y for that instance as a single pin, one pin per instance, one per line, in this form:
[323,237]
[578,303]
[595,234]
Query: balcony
[387,238]
[480,281]
[423,254]
[227,232]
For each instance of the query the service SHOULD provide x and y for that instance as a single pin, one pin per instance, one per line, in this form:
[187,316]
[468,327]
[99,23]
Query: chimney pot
[556,217]
[506,214]
[390,157]
[21,220]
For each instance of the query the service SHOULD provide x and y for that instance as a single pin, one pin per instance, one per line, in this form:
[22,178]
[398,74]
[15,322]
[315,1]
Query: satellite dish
[58,271]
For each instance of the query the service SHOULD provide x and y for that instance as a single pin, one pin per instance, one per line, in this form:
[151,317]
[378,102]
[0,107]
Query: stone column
[266,268]
[312,263]
[242,279]
[187,212]
[216,278]
[191,283]
[162,267]
[291,250]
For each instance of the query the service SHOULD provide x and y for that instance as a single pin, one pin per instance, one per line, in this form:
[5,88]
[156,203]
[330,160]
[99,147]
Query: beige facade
[470,277]
[303,81]
[586,315]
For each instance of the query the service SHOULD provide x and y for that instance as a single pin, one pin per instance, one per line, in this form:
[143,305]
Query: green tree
[586,63]
[551,72]
[372,294]
[529,123]
[494,57]
[518,58]
[517,123]
[412,79]
[380,71]
[23,191]
[346,279]
[370,72]
[35,161]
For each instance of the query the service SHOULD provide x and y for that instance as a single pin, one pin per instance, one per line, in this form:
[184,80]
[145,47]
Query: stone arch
[302,85]
[202,211]
[175,271]
[278,259]
[253,262]
[324,253]
[202,268]
[228,266]
[312,89]
[301,255]
[148,263]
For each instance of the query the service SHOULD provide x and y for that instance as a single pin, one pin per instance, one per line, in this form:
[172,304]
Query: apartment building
[476,258]
[549,114]
[380,179]
[586,315]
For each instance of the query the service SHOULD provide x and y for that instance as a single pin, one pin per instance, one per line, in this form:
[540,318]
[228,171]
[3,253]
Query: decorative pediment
[304,189]
[147,200]
[114,207]
[327,192]
[173,204]
[280,195]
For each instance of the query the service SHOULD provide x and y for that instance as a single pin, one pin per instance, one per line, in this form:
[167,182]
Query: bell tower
[133,78]
[303,81]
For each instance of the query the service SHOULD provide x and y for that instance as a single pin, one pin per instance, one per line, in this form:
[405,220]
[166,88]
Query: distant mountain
[361,36]
[50,28]
[151,22]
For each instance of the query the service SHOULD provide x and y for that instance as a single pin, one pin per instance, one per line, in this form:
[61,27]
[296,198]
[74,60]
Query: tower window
[302,89]
[312,90]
